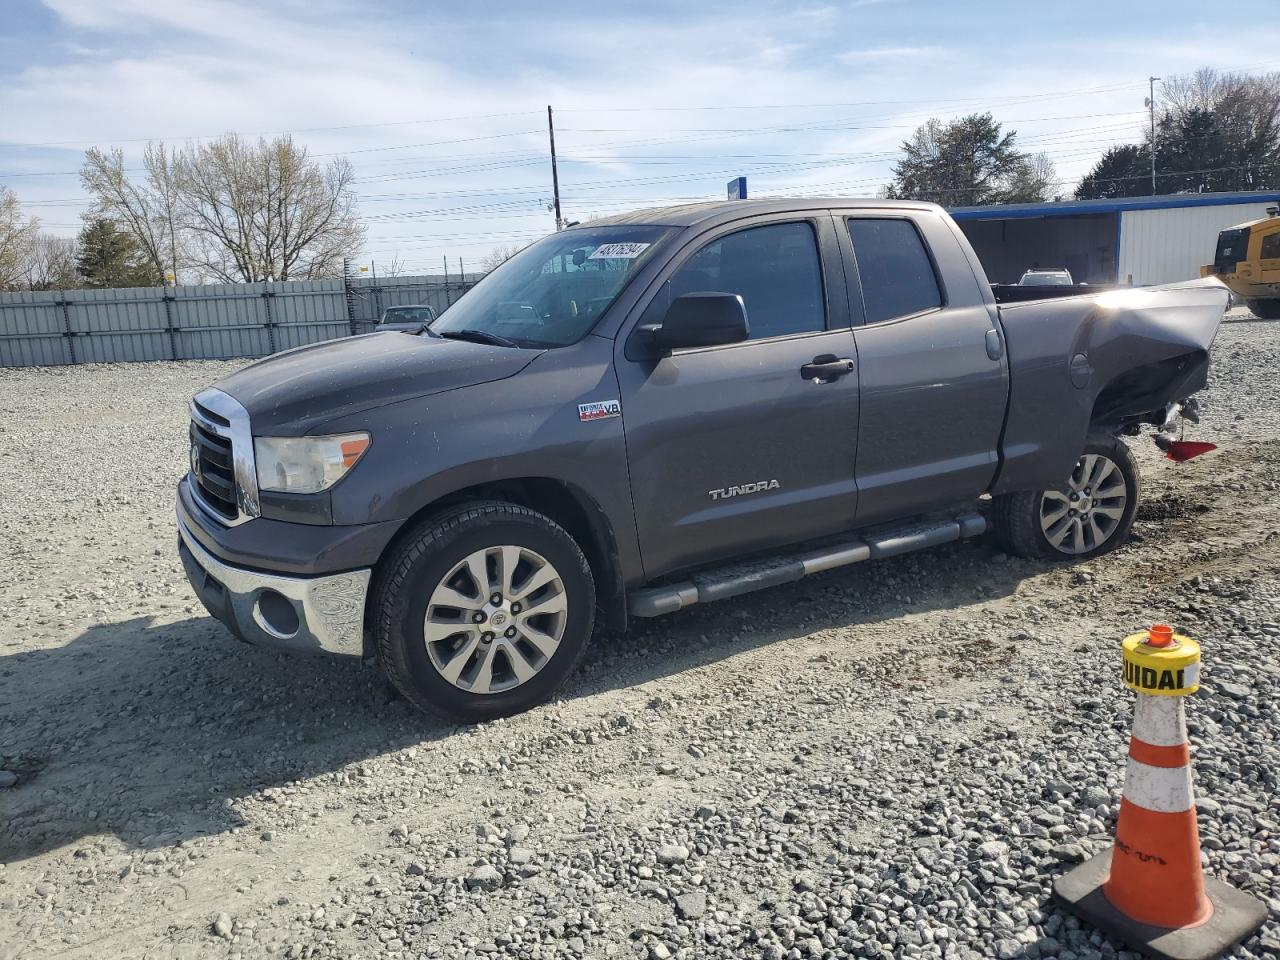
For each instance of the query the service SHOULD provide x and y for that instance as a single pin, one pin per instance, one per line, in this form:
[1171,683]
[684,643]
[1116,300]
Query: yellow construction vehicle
[1248,262]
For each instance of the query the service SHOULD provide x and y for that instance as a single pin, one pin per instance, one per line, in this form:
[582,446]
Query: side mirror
[699,320]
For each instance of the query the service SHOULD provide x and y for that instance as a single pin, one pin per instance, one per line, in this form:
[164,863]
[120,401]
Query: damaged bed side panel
[1094,362]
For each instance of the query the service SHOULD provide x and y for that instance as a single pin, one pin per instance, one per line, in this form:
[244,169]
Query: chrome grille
[222,476]
[213,469]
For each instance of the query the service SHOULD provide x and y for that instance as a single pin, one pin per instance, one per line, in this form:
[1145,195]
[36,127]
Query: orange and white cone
[1156,876]
[1150,890]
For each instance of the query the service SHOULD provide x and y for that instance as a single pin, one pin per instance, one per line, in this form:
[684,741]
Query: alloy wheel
[495,619]
[1087,515]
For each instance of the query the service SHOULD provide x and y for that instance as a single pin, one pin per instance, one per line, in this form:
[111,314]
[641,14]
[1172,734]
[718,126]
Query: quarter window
[775,269]
[894,267]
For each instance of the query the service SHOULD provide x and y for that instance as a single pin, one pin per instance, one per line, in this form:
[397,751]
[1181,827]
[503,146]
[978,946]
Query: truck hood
[294,392]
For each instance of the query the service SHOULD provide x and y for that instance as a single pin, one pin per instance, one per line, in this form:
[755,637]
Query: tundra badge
[741,489]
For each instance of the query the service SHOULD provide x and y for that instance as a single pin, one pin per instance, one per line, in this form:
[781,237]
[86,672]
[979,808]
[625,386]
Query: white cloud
[124,70]
[855,57]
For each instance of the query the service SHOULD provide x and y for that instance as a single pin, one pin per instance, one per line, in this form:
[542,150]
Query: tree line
[228,210]
[1214,132]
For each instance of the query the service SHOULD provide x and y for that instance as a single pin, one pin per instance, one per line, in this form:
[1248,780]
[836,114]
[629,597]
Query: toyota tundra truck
[666,408]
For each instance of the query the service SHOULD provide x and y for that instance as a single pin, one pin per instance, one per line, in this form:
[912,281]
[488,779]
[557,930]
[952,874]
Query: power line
[1086,91]
[276,133]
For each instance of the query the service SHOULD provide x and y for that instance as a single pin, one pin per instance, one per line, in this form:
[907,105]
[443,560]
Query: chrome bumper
[311,614]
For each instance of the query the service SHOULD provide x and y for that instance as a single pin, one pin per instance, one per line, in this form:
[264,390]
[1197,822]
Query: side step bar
[733,581]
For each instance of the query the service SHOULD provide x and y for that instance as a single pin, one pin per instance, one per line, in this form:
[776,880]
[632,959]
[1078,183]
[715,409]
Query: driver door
[730,448]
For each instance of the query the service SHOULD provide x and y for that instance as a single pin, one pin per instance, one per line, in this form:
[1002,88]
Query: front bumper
[308,614]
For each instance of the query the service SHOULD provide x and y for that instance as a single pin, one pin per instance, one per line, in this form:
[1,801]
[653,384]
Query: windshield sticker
[599,409]
[618,251]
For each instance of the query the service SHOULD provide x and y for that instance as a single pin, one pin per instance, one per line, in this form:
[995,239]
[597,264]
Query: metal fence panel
[308,312]
[33,330]
[113,326]
[218,321]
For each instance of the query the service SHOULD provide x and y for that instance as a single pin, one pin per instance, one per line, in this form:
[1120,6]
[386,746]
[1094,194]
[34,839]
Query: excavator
[1248,262]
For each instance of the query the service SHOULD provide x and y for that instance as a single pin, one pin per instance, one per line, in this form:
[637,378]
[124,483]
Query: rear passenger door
[933,378]
[731,448]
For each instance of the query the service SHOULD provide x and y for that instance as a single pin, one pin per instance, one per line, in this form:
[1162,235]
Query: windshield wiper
[476,336]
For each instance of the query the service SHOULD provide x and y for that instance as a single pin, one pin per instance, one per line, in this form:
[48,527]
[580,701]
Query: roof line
[1067,208]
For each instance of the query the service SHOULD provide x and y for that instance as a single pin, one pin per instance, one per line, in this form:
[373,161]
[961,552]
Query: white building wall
[1165,246]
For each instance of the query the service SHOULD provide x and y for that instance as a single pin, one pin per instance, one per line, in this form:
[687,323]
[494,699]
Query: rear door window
[894,267]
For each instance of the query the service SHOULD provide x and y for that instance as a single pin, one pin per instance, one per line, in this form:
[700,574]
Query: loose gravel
[894,760]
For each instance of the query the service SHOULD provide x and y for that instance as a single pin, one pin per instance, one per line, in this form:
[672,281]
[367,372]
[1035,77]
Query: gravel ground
[888,761]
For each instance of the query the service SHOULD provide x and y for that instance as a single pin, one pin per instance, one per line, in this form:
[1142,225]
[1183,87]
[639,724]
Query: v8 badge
[599,410]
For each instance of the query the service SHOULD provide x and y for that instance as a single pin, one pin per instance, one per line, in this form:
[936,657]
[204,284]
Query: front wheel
[483,611]
[1088,516]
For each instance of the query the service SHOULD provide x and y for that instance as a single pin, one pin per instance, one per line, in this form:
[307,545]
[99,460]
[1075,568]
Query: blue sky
[441,107]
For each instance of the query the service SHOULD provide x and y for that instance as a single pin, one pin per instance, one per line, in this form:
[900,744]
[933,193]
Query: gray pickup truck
[660,409]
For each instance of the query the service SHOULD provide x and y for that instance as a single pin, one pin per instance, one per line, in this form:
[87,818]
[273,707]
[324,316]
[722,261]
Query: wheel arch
[563,502]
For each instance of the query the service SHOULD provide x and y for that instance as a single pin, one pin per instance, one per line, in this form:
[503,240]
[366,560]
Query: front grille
[210,415]
[223,476]
[213,470]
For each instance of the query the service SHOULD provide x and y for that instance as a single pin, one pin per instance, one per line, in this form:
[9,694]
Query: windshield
[407,315]
[551,293]
[1056,279]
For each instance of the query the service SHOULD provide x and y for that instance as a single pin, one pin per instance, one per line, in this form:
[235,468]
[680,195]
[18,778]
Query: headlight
[306,464]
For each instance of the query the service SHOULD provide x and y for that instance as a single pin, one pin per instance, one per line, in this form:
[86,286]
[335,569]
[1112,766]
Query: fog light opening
[275,614]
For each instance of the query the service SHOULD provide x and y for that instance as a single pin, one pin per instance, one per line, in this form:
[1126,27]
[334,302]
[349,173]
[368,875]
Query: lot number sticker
[618,251]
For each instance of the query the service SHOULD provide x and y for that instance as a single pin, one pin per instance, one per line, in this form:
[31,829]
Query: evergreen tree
[110,257]
[969,162]
[1123,171]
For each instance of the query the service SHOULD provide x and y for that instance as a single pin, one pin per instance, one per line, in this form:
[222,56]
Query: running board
[732,581]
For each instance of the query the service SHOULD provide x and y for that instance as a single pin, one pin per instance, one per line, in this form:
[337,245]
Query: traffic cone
[1149,890]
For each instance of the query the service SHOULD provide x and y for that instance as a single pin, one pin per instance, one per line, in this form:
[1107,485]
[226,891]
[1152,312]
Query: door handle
[995,346]
[826,368]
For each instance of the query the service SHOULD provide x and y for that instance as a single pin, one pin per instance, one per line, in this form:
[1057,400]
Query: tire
[1266,309]
[1029,523]
[434,572]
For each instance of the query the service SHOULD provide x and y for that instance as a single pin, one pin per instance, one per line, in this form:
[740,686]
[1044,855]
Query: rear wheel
[482,612]
[1088,516]
[1266,309]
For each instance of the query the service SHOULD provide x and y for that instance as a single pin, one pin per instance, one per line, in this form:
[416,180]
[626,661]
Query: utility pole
[555,177]
[1151,108]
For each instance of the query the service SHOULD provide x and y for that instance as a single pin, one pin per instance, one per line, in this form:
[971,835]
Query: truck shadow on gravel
[142,730]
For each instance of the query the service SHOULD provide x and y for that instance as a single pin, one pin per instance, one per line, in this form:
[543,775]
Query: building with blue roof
[1138,240]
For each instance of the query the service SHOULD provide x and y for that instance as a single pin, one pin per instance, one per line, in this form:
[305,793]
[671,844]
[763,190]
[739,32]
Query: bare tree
[51,264]
[396,268]
[265,211]
[1254,96]
[497,257]
[232,210]
[148,209]
[17,238]
[1225,120]
[1035,179]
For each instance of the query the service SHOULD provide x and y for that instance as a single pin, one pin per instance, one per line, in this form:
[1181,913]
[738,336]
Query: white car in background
[1046,277]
